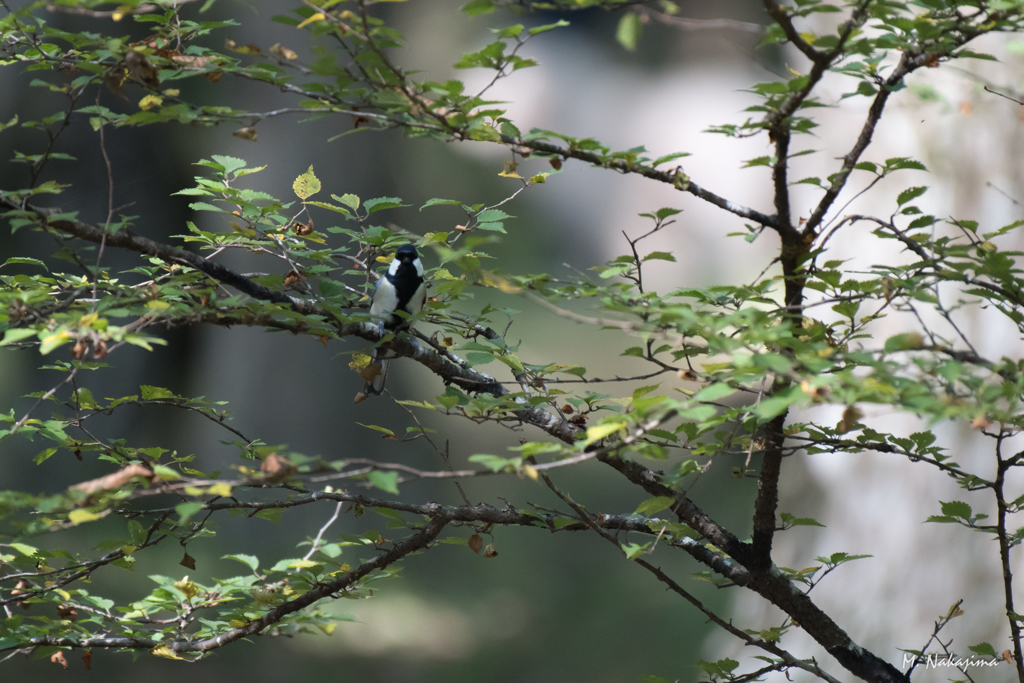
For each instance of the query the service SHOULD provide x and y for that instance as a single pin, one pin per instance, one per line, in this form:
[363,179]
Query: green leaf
[548,27]
[436,201]
[149,393]
[628,31]
[271,515]
[654,505]
[15,335]
[509,31]
[909,194]
[641,391]
[983,649]
[137,532]
[250,561]
[386,481]
[349,200]
[713,392]
[381,203]
[384,430]
[24,260]
[669,157]
[659,256]
[957,509]
[26,550]
[475,7]
[186,510]
[229,164]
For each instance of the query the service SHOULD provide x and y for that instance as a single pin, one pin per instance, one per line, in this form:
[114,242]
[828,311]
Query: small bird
[401,289]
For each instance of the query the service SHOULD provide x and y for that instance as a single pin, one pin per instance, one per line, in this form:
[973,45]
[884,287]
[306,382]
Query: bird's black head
[406,253]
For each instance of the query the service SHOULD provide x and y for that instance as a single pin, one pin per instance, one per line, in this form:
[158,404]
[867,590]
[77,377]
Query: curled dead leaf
[476,543]
[247,133]
[21,588]
[688,375]
[58,658]
[849,420]
[291,278]
[115,480]
[141,70]
[371,372]
[87,660]
[555,162]
[489,551]
[188,561]
[282,52]
[276,468]
[67,612]
[360,397]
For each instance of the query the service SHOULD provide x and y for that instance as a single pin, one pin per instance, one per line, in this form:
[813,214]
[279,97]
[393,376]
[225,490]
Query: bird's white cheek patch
[393,268]
[419,267]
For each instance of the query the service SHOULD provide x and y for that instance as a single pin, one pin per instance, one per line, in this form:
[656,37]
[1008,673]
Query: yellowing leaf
[52,341]
[498,282]
[598,432]
[359,361]
[165,652]
[77,517]
[189,589]
[306,185]
[247,133]
[157,305]
[172,92]
[530,471]
[150,101]
[319,16]
[282,52]
[222,489]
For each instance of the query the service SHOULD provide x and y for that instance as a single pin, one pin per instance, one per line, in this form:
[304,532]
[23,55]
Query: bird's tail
[377,368]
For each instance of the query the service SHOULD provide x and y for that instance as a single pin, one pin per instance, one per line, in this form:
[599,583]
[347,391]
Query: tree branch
[323,590]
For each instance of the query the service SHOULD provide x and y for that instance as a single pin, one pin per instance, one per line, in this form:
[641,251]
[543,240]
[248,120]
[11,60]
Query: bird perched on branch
[401,290]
